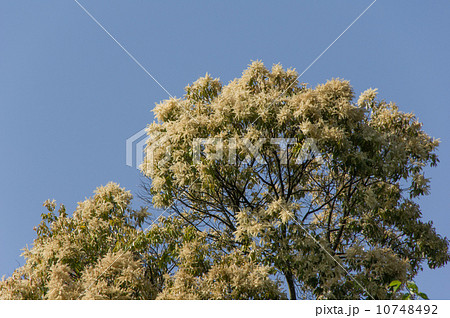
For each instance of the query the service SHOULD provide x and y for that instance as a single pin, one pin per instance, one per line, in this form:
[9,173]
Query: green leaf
[413,287]
[396,284]
[423,296]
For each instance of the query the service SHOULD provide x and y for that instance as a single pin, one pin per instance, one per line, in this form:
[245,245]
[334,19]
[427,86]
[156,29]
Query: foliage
[411,288]
[358,201]
[207,273]
[345,225]
[102,252]
[69,251]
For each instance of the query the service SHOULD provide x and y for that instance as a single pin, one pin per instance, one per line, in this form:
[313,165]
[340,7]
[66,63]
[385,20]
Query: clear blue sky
[70,97]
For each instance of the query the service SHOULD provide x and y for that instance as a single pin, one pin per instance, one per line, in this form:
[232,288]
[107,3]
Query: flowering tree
[266,180]
[343,225]
[103,252]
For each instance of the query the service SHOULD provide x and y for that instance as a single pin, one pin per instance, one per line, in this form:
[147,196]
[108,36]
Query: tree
[70,252]
[103,252]
[266,179]
[233,160]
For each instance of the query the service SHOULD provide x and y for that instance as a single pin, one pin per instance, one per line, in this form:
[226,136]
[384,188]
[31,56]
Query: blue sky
[70,97]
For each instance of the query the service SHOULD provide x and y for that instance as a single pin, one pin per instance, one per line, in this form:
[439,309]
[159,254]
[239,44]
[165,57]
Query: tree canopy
[103,252]
[356,204]
[271,188]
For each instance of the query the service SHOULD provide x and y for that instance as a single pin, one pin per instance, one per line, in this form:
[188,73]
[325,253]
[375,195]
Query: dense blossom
[254,222]
[356,203]
[103,252]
